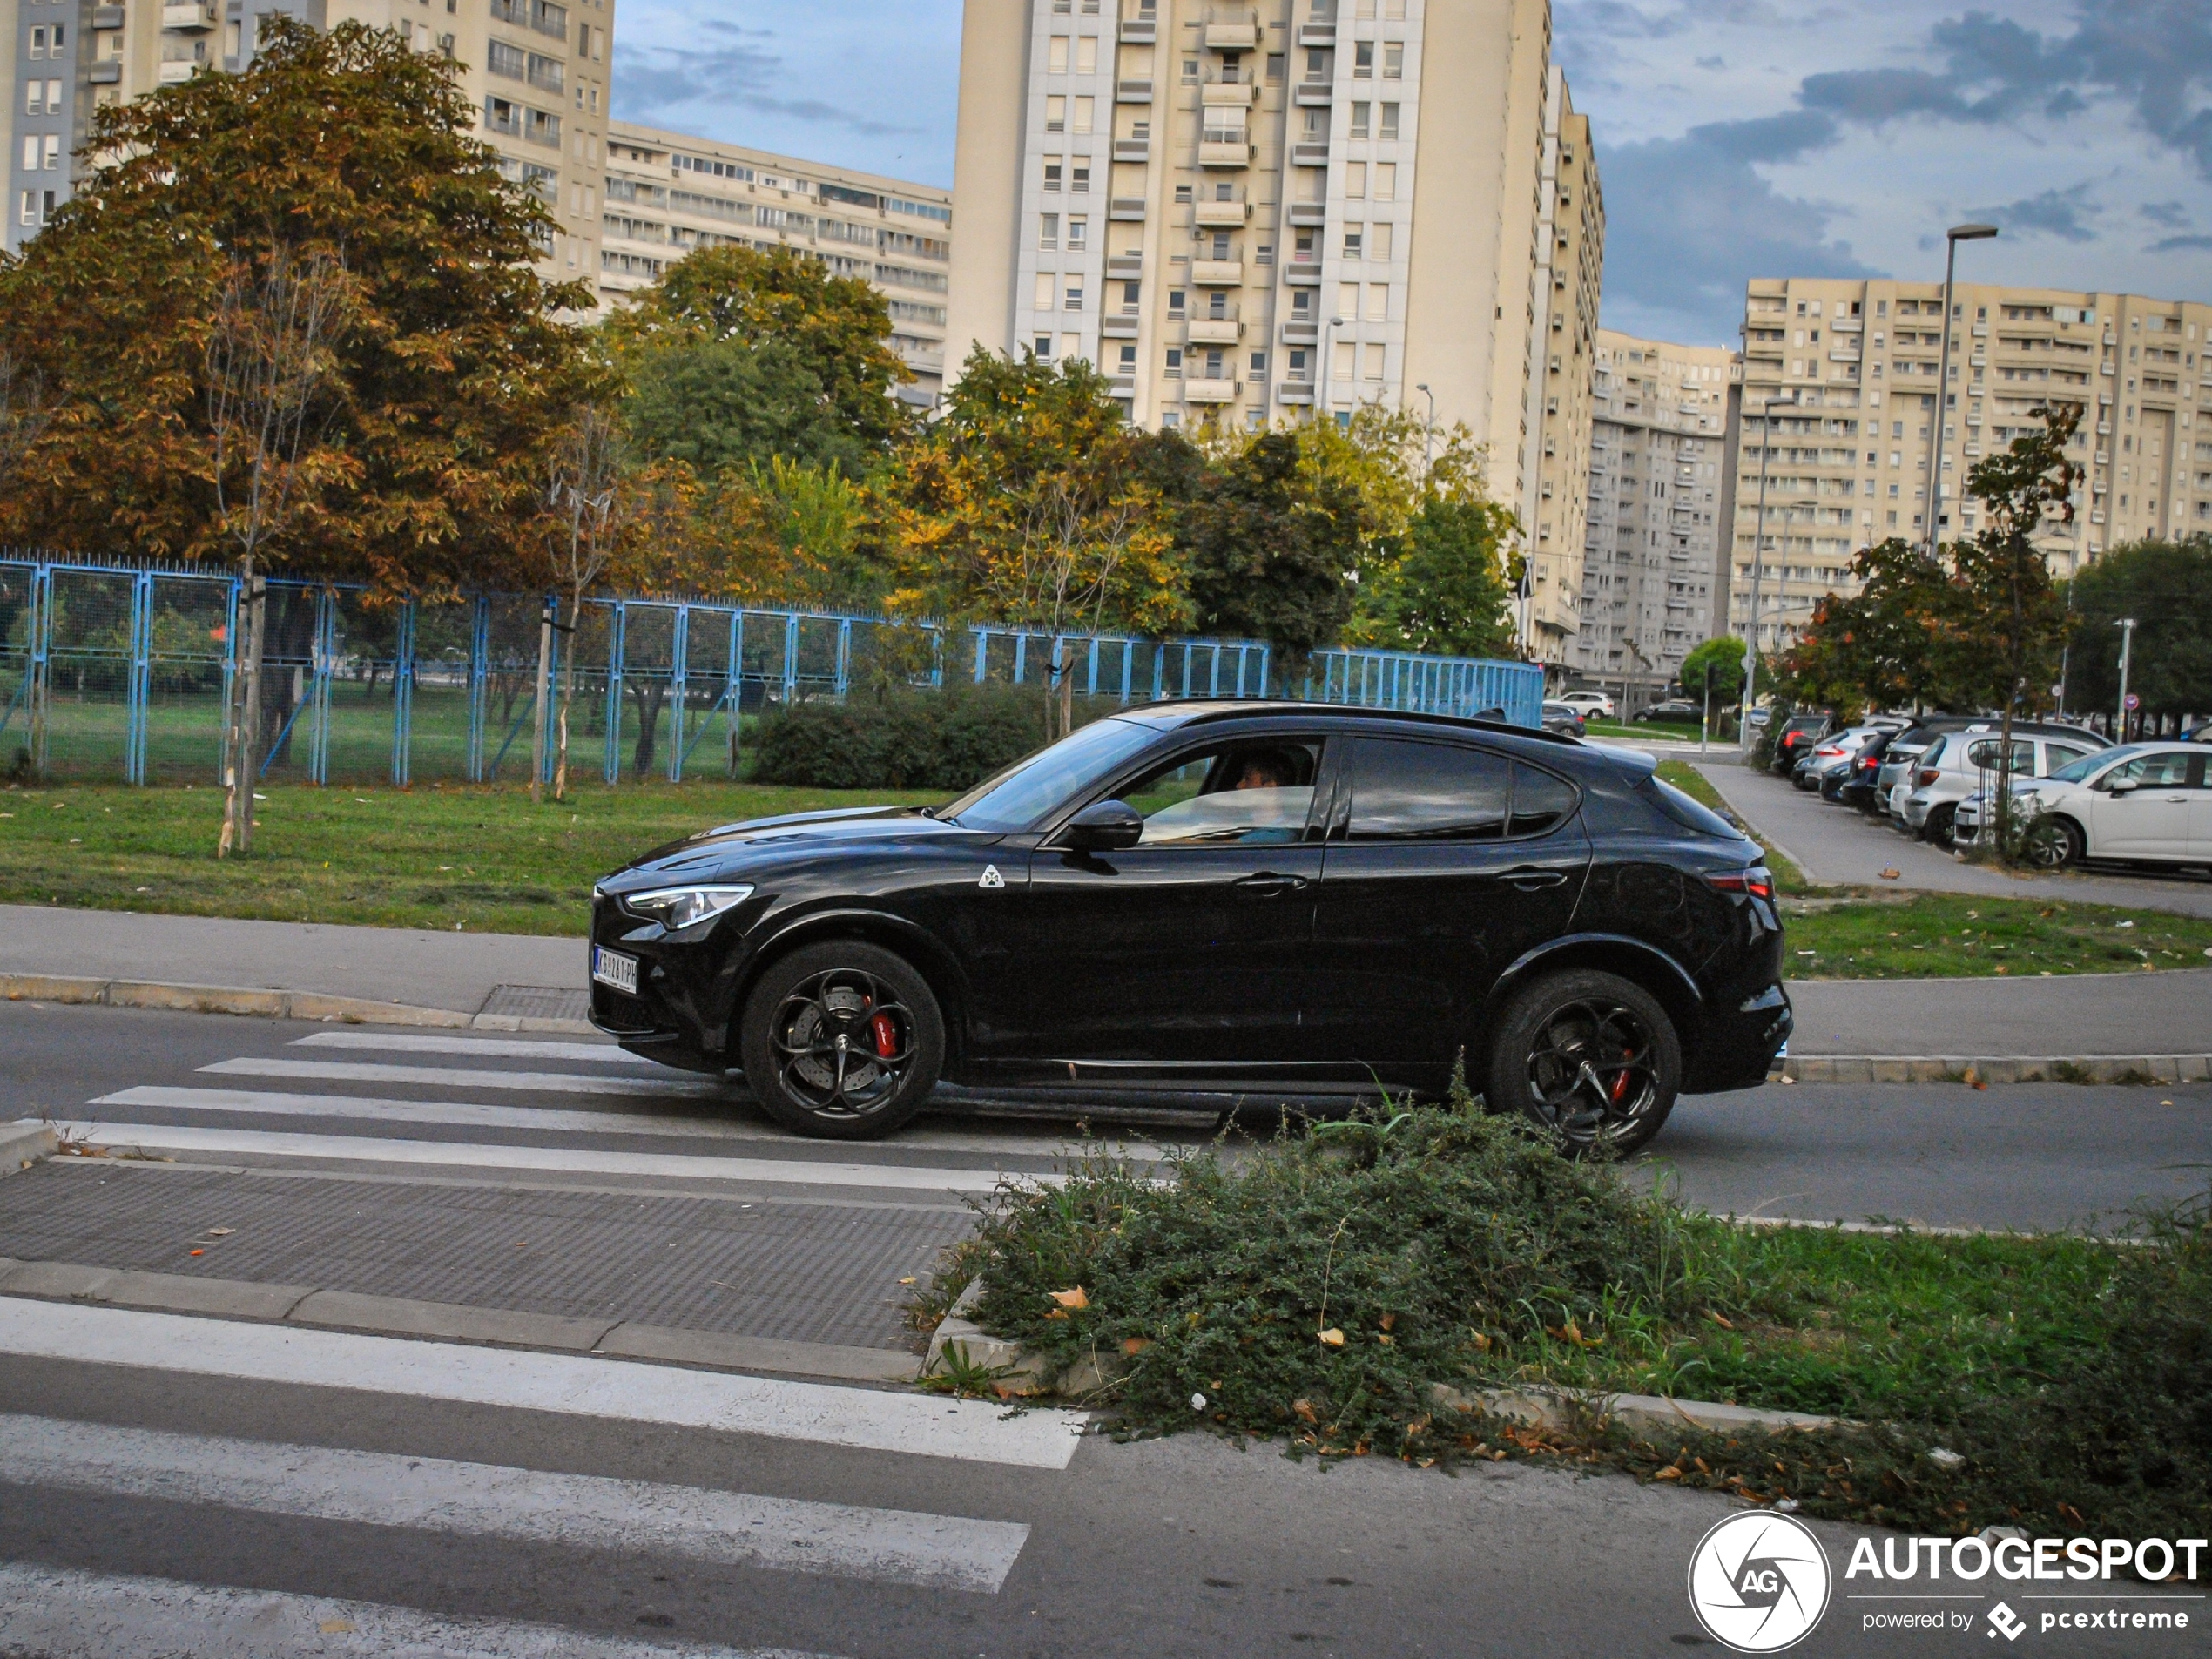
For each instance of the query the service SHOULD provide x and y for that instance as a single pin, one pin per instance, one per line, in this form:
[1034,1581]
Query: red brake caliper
[1620,1083]
[886,1036]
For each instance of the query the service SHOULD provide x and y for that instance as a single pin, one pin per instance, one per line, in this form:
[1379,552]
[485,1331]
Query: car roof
[1196,711]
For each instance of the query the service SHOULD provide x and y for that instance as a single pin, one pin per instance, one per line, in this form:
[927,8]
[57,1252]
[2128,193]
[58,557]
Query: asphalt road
[178,1484]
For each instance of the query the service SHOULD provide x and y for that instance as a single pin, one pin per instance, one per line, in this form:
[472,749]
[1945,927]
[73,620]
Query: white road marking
[550,1083]
[575,1384]
[65,1614]
[374,1149]
[501,1048]
[485,1499]
[474,1115]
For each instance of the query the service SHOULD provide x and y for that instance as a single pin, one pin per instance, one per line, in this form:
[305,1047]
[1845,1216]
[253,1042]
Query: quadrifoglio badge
[1760,1581]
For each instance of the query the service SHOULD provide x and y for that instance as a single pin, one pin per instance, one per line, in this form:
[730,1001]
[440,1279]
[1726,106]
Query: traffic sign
[2133,702]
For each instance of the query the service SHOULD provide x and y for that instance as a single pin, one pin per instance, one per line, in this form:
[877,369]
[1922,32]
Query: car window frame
[1178,754]
[1339,836]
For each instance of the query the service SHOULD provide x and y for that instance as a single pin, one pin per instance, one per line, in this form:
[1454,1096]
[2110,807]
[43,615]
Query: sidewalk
[2072,1017]
[458,972]
[1838,847]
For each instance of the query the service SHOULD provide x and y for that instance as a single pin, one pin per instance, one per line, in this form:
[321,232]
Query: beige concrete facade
[536,74]
[668,193]
[1659,506]
[1248,212]
[1555,473]
[1851,464]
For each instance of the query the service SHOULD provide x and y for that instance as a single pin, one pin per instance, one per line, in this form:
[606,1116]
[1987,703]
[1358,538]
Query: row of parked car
[2081,795]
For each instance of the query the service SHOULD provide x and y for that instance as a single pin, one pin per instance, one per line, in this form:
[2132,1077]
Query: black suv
[1240,897]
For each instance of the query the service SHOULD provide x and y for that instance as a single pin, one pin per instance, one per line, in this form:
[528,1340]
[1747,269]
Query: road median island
[1436,1284]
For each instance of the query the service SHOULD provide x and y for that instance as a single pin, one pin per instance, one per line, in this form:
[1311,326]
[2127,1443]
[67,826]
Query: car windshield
[1028,789]
[2077,771]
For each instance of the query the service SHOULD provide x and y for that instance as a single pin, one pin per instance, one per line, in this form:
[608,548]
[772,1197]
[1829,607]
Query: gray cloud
[2181,245]
[650,81]
[2172,215]
[1713,63]
[2062,213]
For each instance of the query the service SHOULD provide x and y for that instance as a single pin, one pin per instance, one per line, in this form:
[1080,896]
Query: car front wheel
[1589,1057]
[842,1040]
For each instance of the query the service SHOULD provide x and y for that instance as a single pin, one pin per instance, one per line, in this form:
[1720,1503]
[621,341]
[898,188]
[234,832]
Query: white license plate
[612,967]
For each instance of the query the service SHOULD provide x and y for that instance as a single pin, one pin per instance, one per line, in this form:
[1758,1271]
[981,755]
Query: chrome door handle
[1528,879]
[1267,883]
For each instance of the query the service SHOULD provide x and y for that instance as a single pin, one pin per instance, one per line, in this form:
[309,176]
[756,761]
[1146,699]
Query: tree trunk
[650,695]
[568,693]
[245,721]
[545,621]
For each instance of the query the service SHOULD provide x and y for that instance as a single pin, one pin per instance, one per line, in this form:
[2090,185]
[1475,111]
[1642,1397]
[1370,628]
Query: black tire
[1940,831]
[1591,1058]
[842,1040]
[2053,844]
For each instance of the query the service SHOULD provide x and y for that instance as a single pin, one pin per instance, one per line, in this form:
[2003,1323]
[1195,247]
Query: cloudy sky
[1736,138]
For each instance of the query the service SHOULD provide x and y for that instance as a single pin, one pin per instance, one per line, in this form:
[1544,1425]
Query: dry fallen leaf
[220,1232]
[1670,1473]
[1725,1325]
[1135,1346]
[1481,1340]
[908,1280]
[1332,1338]
[1389,1321]
[336,1627]
[1074,1299]
[1890,875]
[1305,1409]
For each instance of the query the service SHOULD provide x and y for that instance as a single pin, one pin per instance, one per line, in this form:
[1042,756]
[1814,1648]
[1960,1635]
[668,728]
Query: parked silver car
[1960,763]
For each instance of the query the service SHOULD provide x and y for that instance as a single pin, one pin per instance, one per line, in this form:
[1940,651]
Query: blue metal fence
[125,668]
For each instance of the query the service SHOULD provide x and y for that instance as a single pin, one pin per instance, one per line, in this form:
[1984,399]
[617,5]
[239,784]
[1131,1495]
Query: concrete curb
[1994,1069]
[24,1145]
[265,1004]
[1015,1370]
[395,1316]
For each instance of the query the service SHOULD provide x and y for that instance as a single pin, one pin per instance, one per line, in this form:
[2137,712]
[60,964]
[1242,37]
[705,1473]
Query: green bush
[899,739]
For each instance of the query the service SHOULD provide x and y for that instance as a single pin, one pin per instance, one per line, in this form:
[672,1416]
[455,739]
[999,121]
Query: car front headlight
[679,908]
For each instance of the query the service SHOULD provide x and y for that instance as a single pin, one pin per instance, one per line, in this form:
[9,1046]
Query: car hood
[733,848]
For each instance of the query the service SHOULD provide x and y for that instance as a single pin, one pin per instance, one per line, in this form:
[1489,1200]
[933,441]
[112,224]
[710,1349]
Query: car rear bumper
[1736,1047]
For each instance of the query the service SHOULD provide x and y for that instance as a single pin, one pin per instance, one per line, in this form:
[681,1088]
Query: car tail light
[1758,881]
[1925,776]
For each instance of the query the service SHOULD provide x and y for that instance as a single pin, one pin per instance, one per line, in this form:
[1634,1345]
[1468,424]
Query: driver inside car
[1251,795]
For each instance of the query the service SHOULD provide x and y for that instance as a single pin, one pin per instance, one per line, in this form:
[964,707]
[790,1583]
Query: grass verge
[478,857]
[1316,1292]
[1858,932]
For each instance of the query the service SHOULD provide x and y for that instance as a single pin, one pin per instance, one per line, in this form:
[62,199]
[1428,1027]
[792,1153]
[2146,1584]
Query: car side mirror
[1104,827]
[2123,785]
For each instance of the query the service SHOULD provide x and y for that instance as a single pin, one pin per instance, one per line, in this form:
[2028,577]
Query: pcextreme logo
[1758,1582]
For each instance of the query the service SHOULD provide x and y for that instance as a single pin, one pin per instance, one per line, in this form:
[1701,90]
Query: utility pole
[1758,562]
[1428,438]
[1951,238]
[2127,626]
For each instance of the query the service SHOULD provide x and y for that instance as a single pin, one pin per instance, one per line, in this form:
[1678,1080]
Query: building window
[1048,230]
[1301,367]
[1056,114]
[1355,238]
[499,58]
[1131,292]
[1363,61]
[1390,120]
[1043,347]
[1189,71]
[1084,108]
[1052,175]
[1394,66]
[1086,55]
[1078,234]
[1175,302]
[1073,302]
[1079,180]
[1275,69]
[1259,366]
[1217,369]
[1174,369]
[1055,57]
[1360,112]
[1126,362]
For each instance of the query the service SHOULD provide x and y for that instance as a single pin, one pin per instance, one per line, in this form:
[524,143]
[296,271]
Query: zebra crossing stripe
[483,1499]
[495,1048]
[574,1385]
[62,1614]
[546,1083]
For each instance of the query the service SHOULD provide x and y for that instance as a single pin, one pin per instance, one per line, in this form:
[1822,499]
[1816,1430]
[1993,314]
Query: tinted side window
[1541,802]
[1427,792]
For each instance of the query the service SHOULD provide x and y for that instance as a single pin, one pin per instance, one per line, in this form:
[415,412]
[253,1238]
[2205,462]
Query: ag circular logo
[1758,1582]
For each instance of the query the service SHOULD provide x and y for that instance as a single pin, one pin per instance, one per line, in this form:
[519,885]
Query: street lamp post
[2127,626]
[1322,370]
[1951,238]
[1758,560]
[1428,438]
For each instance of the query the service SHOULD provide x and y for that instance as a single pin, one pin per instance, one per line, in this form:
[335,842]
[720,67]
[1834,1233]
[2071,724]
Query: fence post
[735,674]
[134,752]
[791,658]
[618,643]
[843,671]
[479,684]
[402,699]
[678,678]
[322,659]
[1021,653]
[982,654]
[1128,665]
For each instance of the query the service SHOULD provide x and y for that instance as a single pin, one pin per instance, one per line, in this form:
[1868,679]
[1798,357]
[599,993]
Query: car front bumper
[680,1012]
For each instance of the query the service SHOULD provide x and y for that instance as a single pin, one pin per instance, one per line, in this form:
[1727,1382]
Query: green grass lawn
[1669,731]
[479,857]
[1850,932]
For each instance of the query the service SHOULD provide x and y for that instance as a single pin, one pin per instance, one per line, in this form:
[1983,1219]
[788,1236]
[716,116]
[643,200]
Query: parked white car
[1591,705]
[1959,763]
[2141,800]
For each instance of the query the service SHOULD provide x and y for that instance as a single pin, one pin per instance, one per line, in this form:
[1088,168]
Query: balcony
[106,74]
[1303,276]
[1309,213]
[1311,94]
[107,17]
[1216,274]
[1132,149]
[1215,331]
[1132,92]
[1318,32]
[1139,31]
[1126,207]
[1301,333]
[1217,152]
[1234,94]
[1118,327]
[1294,392]
[177,73]
[196,17]
[1308,155]
[1209,391]
[1221,215]
[1124,265]
[1238,33]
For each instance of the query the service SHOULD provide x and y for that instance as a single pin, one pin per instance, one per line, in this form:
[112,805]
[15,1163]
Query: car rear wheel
[842,1040]
[1589,1057]
[1941,831]
[2053,844]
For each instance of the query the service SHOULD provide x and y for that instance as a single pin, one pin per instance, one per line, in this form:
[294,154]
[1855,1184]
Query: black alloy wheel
[842,1040]
[1590,1058]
